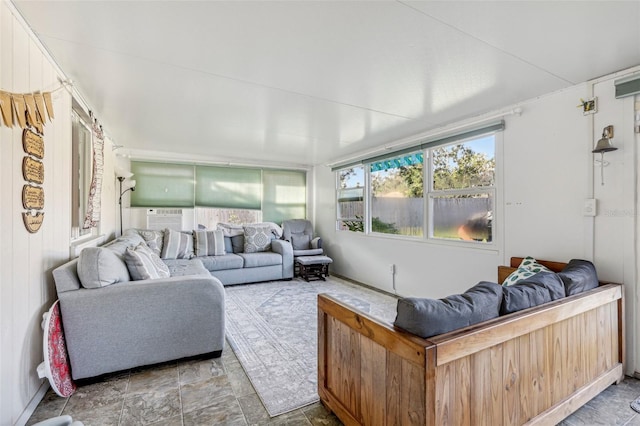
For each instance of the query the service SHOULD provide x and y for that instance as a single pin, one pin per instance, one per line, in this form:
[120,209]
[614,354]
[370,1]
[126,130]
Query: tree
[458,167]
[412,177]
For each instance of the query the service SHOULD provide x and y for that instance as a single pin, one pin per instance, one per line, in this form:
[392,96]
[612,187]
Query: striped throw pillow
[143,264]
[209,243]
[177,245]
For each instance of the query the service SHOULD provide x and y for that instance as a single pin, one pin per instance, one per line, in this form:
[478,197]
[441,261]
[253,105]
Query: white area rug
[272,328]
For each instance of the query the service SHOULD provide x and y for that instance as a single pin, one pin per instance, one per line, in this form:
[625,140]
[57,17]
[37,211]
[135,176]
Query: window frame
[365,202]
[429,193]
[81,175]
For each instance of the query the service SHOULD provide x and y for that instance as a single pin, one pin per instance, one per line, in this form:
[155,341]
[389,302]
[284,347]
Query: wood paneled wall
[26,260]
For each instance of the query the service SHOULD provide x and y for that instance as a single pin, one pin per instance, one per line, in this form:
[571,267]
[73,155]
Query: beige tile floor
[218,392]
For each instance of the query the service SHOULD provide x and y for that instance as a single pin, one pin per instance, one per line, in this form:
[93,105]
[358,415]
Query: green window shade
[284,195]
[228,187]
[162,185]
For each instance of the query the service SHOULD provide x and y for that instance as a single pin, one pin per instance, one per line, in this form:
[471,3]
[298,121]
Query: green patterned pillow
[528,268]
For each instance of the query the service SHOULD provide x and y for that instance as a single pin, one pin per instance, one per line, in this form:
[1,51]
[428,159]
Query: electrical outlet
[589,208]
[392,268]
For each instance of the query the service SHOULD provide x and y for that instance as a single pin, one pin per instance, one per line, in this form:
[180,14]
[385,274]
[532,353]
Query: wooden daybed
[534,366]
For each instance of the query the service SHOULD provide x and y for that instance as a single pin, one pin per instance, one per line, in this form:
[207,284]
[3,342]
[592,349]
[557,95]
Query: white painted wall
[26,260]
[547,173]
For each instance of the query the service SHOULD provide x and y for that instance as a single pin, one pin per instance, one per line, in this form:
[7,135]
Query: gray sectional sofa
[112,322]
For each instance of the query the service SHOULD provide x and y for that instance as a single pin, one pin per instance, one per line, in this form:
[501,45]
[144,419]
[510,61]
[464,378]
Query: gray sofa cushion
[578,276]
[237,244]
[218,263]
[301,241]
[144,264]
[309,252]
[525,294]
[183,267]
[429,317]
[255,260]
[100,267]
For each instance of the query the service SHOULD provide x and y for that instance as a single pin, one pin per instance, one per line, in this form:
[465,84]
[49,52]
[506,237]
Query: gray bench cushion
[429,317]
[540,288]
[314,260]
[308,252]
[183,267]
[219,263]
[255,260]
[578,276]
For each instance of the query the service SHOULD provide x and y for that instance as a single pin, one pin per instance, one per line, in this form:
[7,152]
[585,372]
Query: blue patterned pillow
[257,239]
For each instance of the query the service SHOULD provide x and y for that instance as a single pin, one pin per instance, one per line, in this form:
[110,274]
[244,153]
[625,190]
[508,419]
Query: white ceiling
[311,82]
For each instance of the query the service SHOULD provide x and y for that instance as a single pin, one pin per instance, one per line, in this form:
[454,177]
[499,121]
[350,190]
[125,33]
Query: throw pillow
[429,317]
[100,267]
[578,276]
[230,229]
[257,239]
[301,241]
[237,243]
[143,264]
[209,243]
[177,245]
[153,238]
[527,268]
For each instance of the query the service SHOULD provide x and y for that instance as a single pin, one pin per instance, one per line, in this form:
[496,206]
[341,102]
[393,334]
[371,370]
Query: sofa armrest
[142,322]
[284,248]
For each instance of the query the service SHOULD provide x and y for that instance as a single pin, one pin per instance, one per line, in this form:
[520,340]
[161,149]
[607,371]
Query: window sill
[472,245]
[84,242]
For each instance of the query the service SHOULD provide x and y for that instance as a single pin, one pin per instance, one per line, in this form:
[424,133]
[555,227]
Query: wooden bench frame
[531,367]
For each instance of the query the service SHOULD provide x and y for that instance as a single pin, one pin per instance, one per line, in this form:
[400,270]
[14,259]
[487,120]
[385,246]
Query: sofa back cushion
[430,317]
[100,267]
[578,276]
[533,291]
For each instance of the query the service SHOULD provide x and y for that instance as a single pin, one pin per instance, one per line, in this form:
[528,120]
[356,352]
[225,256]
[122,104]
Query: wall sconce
[604,145]
[122,175]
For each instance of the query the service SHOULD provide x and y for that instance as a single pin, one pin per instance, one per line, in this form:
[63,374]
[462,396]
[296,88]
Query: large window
[351,199]
[222,194]
[462,193]
[442,190]
[397,195]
